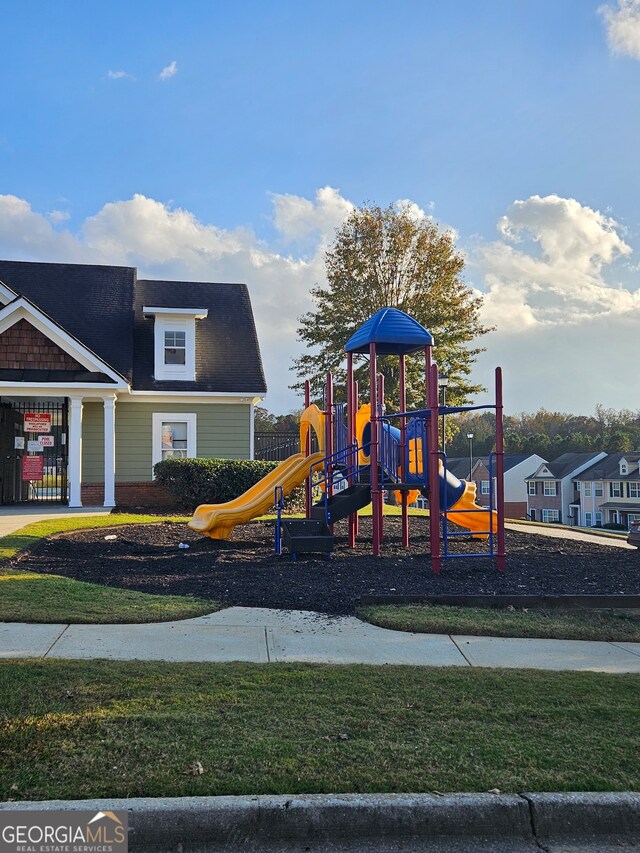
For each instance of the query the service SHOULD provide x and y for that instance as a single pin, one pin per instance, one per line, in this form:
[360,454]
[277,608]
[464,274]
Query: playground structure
[360,448]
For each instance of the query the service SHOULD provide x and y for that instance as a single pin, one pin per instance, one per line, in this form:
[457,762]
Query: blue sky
[226,141]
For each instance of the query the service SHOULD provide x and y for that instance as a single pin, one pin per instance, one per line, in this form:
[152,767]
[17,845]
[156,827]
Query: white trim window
[634,489]
[551,516]
[615,489]
[624,467]
[532,487]
[588,519]
[175,347]
[598,519]
[484,487]
[587,490]
[174,342]
[598,489]
[174,436]
[549,489]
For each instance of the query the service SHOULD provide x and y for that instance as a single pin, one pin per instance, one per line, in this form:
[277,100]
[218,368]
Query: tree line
[546,433]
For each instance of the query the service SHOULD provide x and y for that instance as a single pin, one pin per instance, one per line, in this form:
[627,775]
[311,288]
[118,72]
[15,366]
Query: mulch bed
[245,571]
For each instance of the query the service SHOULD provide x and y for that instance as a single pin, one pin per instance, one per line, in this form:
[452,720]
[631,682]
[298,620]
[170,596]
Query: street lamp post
[443,382]
[470,437]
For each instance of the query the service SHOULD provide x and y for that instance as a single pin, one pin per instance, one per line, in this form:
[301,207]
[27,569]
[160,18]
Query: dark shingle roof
[36,375]
[565,464]
[102,307]
[609,468]
[93,303]
[227,351]
[510,461]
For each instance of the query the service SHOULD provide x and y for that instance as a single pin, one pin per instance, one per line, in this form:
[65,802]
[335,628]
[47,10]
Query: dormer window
[174,333]
[175,347]
[624,467]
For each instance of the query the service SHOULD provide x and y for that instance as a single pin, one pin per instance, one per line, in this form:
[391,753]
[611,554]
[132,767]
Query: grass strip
[574,624]
[31,597]
[76,729]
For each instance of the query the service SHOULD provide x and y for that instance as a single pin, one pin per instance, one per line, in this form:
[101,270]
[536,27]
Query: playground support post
[501,556]
[328,441]
[351,429]
[381,407]
[307,451]
[376,494]
[433,442]
[355,396]
[403,451]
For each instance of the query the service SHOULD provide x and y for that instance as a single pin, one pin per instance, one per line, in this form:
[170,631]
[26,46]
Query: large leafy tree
[393,258]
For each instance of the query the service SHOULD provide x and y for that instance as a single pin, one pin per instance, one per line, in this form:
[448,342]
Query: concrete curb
[372,823]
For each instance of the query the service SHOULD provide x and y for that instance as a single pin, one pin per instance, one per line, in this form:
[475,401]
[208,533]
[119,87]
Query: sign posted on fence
[31,468]
[37,422]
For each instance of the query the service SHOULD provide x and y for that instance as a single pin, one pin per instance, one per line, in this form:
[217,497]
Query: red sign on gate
[32,467]
[37,422]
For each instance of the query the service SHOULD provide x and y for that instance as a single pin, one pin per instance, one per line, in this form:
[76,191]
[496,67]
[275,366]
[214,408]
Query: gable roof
[509,460]
[609,468]
[93,303]
[564,465]
[101,307]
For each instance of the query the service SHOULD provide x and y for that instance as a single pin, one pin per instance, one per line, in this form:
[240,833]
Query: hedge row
[212,481]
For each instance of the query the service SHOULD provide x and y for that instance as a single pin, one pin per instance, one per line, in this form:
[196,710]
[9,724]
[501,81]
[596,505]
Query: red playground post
[501,557]
[434,464]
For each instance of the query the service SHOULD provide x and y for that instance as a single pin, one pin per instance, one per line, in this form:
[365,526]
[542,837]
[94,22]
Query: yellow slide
[218,520]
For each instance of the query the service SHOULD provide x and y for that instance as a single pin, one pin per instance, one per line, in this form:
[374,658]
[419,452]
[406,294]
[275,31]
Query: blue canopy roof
[392,331]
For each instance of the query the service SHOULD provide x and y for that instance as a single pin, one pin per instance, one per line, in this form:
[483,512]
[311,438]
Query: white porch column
[75,452]
[109,451]
[251,431]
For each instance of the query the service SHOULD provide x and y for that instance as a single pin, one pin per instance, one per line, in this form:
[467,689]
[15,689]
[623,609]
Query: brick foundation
[149,495]
[515,509]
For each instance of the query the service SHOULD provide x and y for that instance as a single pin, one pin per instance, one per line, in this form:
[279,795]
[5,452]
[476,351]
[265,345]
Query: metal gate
[34,451]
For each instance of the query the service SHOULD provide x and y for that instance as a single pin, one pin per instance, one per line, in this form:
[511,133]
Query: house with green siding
[102,375]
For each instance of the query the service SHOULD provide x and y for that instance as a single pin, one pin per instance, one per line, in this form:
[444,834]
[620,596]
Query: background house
[102,375]
[609,491]
[516,469]
[550,488]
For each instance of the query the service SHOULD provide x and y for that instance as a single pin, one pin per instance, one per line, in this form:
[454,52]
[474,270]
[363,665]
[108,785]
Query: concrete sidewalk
[13,518]
[564,533]
[269,636]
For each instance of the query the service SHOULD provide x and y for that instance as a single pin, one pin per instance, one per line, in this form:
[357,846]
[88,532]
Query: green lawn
[607,625]
[73,729]
[30,597]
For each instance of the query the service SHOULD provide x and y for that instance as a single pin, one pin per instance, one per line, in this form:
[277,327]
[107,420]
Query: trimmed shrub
[613,525]
[212,481]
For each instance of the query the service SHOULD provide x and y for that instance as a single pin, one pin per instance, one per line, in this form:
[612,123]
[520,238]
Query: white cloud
[298,218]
[623,27]
[119,75]
[169,71]
[57,216]
[27,235]
[566,330]
[549,268]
